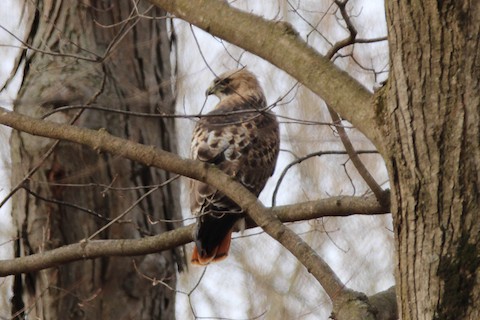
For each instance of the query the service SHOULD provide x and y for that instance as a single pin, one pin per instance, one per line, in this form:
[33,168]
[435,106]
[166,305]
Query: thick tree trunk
[135,76]
[433,116]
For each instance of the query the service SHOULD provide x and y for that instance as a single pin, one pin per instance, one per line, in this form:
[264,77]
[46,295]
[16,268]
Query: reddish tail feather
[219,253]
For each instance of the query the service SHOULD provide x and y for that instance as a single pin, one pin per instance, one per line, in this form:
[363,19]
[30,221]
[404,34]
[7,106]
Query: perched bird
[242,139]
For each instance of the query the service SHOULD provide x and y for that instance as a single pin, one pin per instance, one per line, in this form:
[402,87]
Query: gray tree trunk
[433,153]
[136,75]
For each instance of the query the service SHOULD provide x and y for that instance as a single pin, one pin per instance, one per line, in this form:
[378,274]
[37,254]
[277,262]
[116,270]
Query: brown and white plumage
[243,141]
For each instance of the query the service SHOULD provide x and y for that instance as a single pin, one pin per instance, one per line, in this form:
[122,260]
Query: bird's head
[238,82]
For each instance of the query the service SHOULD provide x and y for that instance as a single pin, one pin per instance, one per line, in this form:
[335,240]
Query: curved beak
[210,90]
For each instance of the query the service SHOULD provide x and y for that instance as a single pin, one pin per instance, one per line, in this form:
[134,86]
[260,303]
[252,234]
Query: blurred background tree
[95,54]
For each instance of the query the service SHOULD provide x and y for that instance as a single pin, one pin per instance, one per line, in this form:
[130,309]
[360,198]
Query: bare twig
[308,156]
[67,204]
[201,52]
[131,207]
[357,162]
[342,5]
[52,53]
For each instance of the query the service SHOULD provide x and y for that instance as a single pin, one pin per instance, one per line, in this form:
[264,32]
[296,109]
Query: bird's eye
[221,82]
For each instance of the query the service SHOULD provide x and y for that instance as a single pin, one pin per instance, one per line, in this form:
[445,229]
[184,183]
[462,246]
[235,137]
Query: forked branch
[148,155]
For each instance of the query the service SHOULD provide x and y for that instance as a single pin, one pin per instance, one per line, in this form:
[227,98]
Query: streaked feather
[242,139]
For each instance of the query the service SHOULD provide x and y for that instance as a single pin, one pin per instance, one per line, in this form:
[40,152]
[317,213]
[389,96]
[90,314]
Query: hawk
[242,139]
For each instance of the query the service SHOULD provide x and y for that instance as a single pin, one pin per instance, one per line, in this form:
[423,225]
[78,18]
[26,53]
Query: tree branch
[151,156]
[352,153]
[335,206]
[280,44]
[308,156]
[382,195]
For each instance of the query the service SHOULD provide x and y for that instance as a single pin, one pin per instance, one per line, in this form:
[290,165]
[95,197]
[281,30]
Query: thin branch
[52,53]
[146,194]
[371,40]
[67,204]
[125,26]
[200,51]
[153,115]
[308,156]
[342,5]
[357,162]
[314,28]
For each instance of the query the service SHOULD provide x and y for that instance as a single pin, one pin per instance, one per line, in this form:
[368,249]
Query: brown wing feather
[244,145]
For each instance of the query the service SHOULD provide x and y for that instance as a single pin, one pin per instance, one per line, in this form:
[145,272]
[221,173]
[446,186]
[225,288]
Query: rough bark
[135,75]
[432,115]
